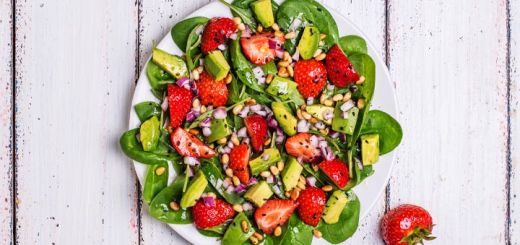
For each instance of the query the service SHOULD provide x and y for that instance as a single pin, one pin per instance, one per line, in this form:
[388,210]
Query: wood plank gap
[509,159]
[14,189]
[138,4]
[387,61]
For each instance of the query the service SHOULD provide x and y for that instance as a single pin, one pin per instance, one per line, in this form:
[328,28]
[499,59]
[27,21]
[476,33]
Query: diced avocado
[172,64]
[345,125]
[291,173]
[309,42]
[219,129]
[216,65]
[259,193]
[284,116]
[264,12]
[319,111]
[369,148]
[194,191]
[234,233]
[286,89]
[337,201]
[149,133]
[264,161]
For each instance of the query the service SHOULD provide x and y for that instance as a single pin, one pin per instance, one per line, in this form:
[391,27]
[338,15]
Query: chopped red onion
[183,82]
[334,134]
[279,139]
[164,104]
[326,151]
[230,144]
[314,140]
[246,32]
[192,161]
[279,53]
[347,105]
[310,100]
[244,112]
[252,181]
[296,55]
[272,44]
[246,140]
[240,188]
[209,201]
[255,108]
[265,157]
[220,113]
[225,184]
[295,24]
[206,122]
[230,189]
[261,113]
[233,36]
[192,114]
[300,159]
[222,47]
[271,122]
[319,125]
[270,179]
[247,206]
[206,131]
[242,132]
[191,173]
[328,114]
[219,184]
[226,150]
[259,74]
[303,126]
[311,180]
[330,87]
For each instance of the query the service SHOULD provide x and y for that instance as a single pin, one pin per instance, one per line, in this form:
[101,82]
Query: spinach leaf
[245,4]
[242,67]
[147,109]
[360,175]
[353,44]
[192,48]
[181,31]
[295,232]
[389,130]
[234,233]
[235,92]
[154,183]
[215,231]
[244,13]
[213,174]
[347,224]
[158,78]
[270,68]
[160,205]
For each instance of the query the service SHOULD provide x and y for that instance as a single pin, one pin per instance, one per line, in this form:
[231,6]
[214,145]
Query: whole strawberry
[311,77]
[406,225]
[179,102]
[207,215]
[216,32]
[238,162]
[211,92]
[257,129]
[339,68]
[311,205]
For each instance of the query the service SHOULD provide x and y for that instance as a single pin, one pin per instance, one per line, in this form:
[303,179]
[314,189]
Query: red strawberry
[406,224]
[311,77]
[238,161]
[300,145]
[188,145]
[311,205]
[179,102]
[205,215]
[257,130]
[337,171]
[260,48]
[211,91]
[216,32]
[273,213]
[339,68]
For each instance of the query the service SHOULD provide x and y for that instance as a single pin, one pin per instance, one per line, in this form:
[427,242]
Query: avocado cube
[345,125]
[216,65]
[172,64]
[319,111]
[219,129]
[284,116]
[264,161]
[309,42]
[369,148]
[291,173]
[337,201]
[195,189]
[259,193]
[264,12]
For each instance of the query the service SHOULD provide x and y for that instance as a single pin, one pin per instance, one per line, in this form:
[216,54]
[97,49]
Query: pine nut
[280,165]
[317,52]
[253,240]
[287,194]
[259,28]
[301,186]
[234,139]
[174,206]
[299,114]
[237,109]
[194,131]
[337,97]
[222,141]
[306,115]
[278,231]
[324,131]
[160,171]
[275,27]
[290,70]
[238,208]
[229,78]
[250,102]
[295,193]
[236,181]
[361,103]
[328,102]
[327,188]
[301,179]
[196,103]
[267,141]
[290,35]
[225,160]
[195,75]
[313,120]
[321,56]
[282,72]
[286,56]
[323,97]
[229,172]
[323,36]
[316,233]
[245,226]
[269,78]
[258,236]
[361,80]
[203,109]
[237,20]
[200,69]
[315,168]
[265,174]
[347,96]
[283,63]
[211,194]
[278,34]
[274,170]
[321,43]
[241,26]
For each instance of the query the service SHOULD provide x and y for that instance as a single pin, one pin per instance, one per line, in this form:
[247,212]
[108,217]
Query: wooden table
[68,71]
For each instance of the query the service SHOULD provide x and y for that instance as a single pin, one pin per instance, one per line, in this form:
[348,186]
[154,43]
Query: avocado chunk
[319,111]
[172,64]
[337,201]
[345,125]
[264,161]
[216,65]
[286,89]
[264,12]
[234,233]
[149,133]
[369,148]
[219,129]
[284,116]
[309,42]
[259,193]
[194,191]
[291,173]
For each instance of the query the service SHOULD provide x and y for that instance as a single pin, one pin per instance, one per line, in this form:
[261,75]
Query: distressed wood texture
[6,119]
[514,109]
[448,61]
[75,67]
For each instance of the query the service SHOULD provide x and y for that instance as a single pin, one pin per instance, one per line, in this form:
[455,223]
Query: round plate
[384,99]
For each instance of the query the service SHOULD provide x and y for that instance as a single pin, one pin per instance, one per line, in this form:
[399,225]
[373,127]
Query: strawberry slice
[211,92]
[261,48]
[311,77]
[216,32]
[339,68]
[336,170]
[257,130]
[273,213]
[207,215]
[180,99]
[311,205]
[238,162]
[300,145]
[188,145]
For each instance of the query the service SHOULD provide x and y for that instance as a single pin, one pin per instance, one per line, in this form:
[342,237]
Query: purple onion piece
[206,131]
[220,113]
[252,181]
[311,180]
[209,201]
[206,122]
[240,188]
[164,104]
[242,132]
[183,81]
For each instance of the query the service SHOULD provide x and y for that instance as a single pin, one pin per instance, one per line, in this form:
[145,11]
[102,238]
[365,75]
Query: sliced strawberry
[336,170]
[300,146]
[339,68]
[273,213]
[211,92]
[179,102]
[188,145]
[206,215]
[238,162]
[216,32]
[257,130]
[311,77]
[311,205]
[261,48]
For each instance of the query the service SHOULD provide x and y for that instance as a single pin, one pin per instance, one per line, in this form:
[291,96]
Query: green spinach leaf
[244,13]
[242,67]
[147,109]
[181,31]
[389,130]
[160,205]
[213,174]
[154,183]
[347,224]
[295,232]
[353,44]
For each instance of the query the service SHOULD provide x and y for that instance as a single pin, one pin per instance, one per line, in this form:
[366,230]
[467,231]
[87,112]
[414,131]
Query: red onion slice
[311,180]
[206,122]
[220,113]
[209,201]
[164,104]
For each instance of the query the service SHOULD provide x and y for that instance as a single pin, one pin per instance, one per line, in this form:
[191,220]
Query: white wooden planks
[75,67]
[514,106]
[448,60]
[6,126]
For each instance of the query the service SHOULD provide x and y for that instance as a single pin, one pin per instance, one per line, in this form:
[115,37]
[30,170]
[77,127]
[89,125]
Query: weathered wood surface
[514,122]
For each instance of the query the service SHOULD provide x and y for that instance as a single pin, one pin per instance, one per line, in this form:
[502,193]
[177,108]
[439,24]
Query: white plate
[384,99]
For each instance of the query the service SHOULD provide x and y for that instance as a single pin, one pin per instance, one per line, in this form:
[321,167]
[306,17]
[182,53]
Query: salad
[265,123]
